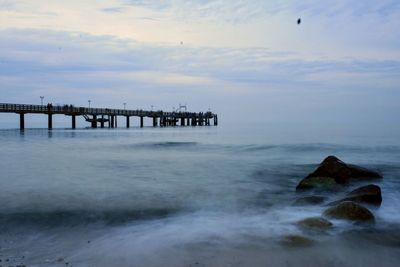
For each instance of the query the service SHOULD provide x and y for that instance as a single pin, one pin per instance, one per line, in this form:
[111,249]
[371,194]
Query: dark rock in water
[370,194]
[315,223]
[357,172]
[333,171]
[317,183]
[309,200]
[297,241]
[349,210]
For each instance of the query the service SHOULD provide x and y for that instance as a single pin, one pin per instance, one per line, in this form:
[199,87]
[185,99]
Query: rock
[315,223]
[357,172]
[369,194]
[309,200]
[316,182]
[349,210]
[297,241]
[333,171]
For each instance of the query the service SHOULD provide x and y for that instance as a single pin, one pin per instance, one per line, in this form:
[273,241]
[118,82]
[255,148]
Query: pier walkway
[106,117]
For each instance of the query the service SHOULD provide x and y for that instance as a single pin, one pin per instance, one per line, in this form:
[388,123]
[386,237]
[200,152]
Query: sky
[245,60]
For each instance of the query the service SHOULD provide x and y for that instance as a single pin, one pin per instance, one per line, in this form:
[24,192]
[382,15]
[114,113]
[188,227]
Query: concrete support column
[141,122]
[188,121]
[127,122]
[21,121]
[102,121]
[154,122]
[116,121]
[50,121]
[182,121]
[73,119]
[112,121]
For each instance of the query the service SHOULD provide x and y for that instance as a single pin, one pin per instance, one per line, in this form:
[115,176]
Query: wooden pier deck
[106,117]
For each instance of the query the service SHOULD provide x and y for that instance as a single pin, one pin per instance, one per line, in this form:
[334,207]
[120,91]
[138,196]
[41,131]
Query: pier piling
[73,120]
[21,121]
[50,121]
[94,121]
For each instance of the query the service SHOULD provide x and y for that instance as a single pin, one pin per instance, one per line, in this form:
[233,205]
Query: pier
[108,118]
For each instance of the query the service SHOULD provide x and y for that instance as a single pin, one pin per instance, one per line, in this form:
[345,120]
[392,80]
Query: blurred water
[205,196]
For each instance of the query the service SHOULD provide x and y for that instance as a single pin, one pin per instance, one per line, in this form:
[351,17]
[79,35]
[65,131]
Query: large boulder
[315,223]
[349,210]
[333,171]
[369,194]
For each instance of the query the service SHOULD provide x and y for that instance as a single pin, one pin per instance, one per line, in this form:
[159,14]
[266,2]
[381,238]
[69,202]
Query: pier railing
[70,110]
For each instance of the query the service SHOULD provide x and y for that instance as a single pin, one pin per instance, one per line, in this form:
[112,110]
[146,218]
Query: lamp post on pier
[41,100]
[89,102]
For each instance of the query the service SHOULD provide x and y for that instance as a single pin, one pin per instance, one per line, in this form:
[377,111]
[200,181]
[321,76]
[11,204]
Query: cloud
[338,30]
[113,9]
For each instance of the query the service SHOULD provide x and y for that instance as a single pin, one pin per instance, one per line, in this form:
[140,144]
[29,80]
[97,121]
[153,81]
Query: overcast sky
[242,59]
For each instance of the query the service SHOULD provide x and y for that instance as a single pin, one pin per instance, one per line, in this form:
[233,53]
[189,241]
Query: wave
[159,145]
[82,217]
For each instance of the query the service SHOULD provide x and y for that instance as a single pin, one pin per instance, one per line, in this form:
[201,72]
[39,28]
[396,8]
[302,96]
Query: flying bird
[298,21]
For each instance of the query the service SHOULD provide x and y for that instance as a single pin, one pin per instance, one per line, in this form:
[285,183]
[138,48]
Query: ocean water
[184,196]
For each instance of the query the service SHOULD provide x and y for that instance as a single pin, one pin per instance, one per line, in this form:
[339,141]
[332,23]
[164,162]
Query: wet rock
[315,223]
[316,183]
[357,172]
[349,210]
[297,241]
[333,171]
[369,194]
[309,200]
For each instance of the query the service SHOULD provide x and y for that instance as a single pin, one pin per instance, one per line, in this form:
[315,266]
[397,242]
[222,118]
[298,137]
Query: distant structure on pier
[106,117]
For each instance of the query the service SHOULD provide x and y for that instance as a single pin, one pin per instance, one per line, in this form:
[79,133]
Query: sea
[187,196]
